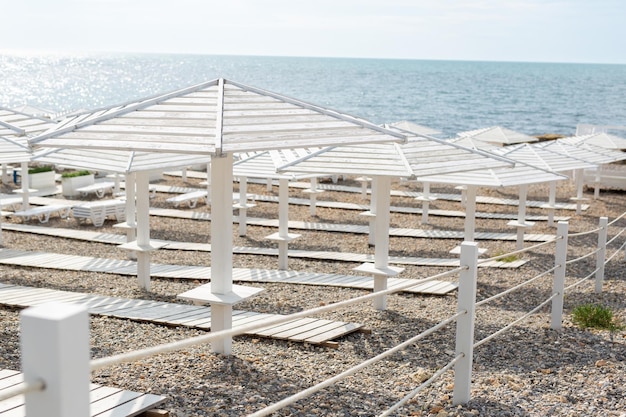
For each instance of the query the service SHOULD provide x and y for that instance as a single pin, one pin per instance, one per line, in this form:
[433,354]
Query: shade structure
[520,175]
[415,128]
[418,157]
[215,119]
[584,151]
[602,139]
[498,135]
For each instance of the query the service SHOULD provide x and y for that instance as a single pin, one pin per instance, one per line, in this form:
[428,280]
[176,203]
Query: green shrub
[507,258]
[37,170]
[73,174]
[595,316]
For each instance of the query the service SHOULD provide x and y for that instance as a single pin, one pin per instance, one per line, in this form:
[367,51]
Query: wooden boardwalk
[118,239]
[250,275]
[309,330]
[105,401]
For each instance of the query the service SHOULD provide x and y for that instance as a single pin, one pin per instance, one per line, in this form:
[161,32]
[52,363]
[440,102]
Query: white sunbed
[43,212]
[191,198]
[98,211]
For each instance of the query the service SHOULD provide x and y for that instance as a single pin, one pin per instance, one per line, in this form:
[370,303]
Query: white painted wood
[558,282]
[55,349]
[143,230]
[601,254]
[25,186]
[465,323]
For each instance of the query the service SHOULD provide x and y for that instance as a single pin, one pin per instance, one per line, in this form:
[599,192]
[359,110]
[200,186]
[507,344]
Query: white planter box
[42,180]
[70,184]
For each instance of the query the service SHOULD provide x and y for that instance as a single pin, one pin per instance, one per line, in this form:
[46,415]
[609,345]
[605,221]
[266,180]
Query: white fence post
[601,254]
[558,284]
[55,348]
[465,323]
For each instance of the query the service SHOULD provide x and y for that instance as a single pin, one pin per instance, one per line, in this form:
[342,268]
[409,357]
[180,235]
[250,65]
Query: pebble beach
[529,370]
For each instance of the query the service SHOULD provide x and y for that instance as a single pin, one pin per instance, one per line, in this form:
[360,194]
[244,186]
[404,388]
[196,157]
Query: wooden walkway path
[399,193]
[105,401]
[309,330]
[129,267]
[118,239]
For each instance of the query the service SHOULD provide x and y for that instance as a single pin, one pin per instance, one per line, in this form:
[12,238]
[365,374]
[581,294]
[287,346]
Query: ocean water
[451,96]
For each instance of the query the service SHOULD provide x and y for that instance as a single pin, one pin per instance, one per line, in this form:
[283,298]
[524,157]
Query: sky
[580,31]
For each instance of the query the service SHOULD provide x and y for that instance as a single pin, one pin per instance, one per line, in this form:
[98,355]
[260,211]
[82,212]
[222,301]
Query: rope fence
[465,316]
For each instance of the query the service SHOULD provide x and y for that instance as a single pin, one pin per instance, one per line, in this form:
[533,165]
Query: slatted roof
[603,140]
[589,153]
[520,174]
[544,158]
[418,157]
[14,150]
[498,135]
[212,118]
[415,128]
[261,165]
[14,123]
[121,162]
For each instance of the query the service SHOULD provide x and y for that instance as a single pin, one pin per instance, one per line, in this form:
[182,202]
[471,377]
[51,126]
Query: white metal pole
[143,229]
[601,254]
[558,284]
[54,343]
[465,323]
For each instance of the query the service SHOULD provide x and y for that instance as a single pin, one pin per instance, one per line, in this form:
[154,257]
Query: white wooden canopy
[261,165]
[543,157]
[14,150]
[213,118]
[498,135]
[17,124]
[602,139]
[415,128]
[589,153]
[420,156]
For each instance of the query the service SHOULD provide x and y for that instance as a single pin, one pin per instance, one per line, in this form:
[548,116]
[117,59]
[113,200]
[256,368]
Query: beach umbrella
[521,175]
[215,119]
[602,139]
[498,135]
[420,156]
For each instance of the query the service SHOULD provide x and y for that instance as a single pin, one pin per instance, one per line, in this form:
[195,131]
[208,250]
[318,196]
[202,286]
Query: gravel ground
[529,370]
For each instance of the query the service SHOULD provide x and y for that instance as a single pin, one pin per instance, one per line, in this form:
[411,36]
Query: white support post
[579,190]
[601,254]
[131,211]
[143,230]
[269,185]
[551,203]
[381,250]
[372,223]
[521,216]
[221,178]
[54,343]
[25,186]
[184,174]
[4,173]
[558,284]
[426,202]
[465,323]
[208,185]
[243,205]
[313,197]
[470,213]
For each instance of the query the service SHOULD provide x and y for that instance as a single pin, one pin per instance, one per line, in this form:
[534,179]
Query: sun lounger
[99,188]
[191,198]
[98,211]
[43,212]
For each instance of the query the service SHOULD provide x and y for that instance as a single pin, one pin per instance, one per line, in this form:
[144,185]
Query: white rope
[309,391]
[510,290]
[169,347]
[615,253]
[615,237]
[582,280]
[571,261]
[617,218]
[421,387]
[597,229]
[495,258]
[22,388]
[530,313]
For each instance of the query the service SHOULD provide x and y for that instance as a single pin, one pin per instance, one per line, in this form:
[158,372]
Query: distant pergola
[497,135]
[602,140]
[215,119]
[418,157]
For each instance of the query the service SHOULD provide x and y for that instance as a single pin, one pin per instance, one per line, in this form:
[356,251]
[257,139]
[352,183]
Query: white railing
[56,380]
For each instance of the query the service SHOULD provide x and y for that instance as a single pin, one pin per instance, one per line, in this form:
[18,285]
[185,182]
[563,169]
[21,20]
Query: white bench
[98,211]
[191,198]
[43,212]
[99,188]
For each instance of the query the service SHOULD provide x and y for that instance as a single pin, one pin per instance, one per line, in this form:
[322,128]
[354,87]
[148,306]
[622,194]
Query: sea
[451,96]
